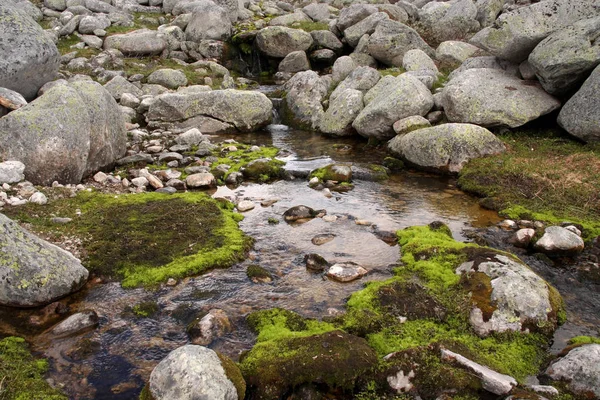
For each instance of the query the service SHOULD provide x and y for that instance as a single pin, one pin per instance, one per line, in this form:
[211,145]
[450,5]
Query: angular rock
[361,78]
[294,62]
[305,91]
[289,19]
[515,34]
[342,111]
[445,148]
[418,61]
[169,78]
[404,97]
[246,110]
[354,14]
[364,27]
[559,241]
[279,41]
[317,12]
[490,97]
[210,327]
[452,53]
[346,271]
[392,39]
[34,272]
[327,40]
[580,369]
[89,24]
[342,67]
[580,116]
[449,20]
[208,22]
[143,42]
[29,56]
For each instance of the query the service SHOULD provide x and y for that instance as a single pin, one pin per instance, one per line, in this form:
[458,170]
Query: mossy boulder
[263,169]
[292,351]
[334,172]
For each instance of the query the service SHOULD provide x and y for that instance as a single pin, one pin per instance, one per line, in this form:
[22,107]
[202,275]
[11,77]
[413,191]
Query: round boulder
[581,369]
[279,41]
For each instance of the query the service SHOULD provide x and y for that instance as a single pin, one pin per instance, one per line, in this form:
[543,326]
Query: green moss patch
[144,239]
[234,374]
[580,340]
[145,309]
[265,167]
[543,176]
[21,375]
[309,26]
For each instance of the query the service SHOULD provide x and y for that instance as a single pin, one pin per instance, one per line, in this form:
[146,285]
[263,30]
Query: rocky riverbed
[264,200]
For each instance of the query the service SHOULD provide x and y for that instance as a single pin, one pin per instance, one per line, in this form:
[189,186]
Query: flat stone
[245,205]
[76,324]
[346,271]
[322,239]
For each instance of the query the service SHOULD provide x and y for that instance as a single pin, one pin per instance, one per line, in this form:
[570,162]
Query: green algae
[145,239]
[22,375]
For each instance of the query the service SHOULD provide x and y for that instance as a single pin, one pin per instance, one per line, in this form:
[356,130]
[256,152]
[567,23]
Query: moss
[580,340]
[329,173]
[393,164]
[21,375]
[394,71]
[258,273]
[544,175]
[272,221]
[240,159]
[145,394]
[145,309]
[144,239]
[309,26]
[234,374]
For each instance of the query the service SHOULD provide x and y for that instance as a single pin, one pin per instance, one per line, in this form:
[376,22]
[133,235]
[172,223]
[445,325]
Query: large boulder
[446,147]
[559,241]
[580,116]
[294,62]
[143,42]
[403,97]
[65,134]
[354,14]
[196,372]
[302,105]
[34,272]
[279,41]
[29,56]
[337,120]
[580,369]
[564,58]
[392,39]
[169,78]
[490,97]
[515,34]
[245,110]
[364,27]
[208,22]
[451,54]
[450,20]
[362,78]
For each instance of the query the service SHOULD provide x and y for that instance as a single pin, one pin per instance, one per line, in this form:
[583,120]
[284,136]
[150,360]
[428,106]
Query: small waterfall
[275,112]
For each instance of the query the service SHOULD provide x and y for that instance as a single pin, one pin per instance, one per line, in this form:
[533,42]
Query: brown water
[129,347]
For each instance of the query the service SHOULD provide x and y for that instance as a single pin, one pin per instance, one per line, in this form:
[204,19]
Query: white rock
[346,271]
[11,172]
[100,177]
[38,198]
[245,205]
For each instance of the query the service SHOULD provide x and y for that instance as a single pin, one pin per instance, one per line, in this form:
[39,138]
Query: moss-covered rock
[334,172]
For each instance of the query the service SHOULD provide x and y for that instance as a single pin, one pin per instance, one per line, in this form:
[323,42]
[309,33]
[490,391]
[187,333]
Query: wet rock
[11,172]
[516,33]
[34,272]
[201,180]
[508,224]
[298,213]
[245,205]
[346,271]
[405,96]
[295,61]
[559,241]
[564,58]
[523,237]
[196,372]
[143,42]
[409,124]
[391,40]
[490,97]
[315,262]
[506,295]
[76,324]
[213,325]
[580,369]
[29,57]
[258,274]
[323,238]
[305,91]
[491,381]
[580,116]
[337,120]
[169,78]
[279,41]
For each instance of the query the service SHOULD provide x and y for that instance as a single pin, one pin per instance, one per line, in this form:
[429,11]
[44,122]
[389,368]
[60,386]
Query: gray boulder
[488,11]
[245,110]
[208,22]
[409,124]
[580,116]
[392,39]
[143,42]
[11,100]
[354,14]
[364,27]
[294,62]
[580,369]
[446,147]
[342,67]
[279,41]
[56,5]
[88,24]
[490,97]
[452,54]
[289,19]
[327,40]
[403,97]
[515,34]
[76,324]
[450,20]
[305,91]
[118,85]
[559,241]
[194,372]
[564,58]
[29,56]
[417,60]
[34,272]
[362,78]
[317,11]
[337,120]
[169,78]
[66,133]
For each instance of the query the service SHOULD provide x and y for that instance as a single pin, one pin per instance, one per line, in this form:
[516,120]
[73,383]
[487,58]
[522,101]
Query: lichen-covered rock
[446,147]
[392,39]
[303,107]
[342,111]
[195,372]
[34,272]
[327,40]
[488,11]
[11,172]
[507,295]
[169,78]
[354,14]
[289,19]
[409,124]
[364,27]
[317,12]
[450,20]
[294,62]
[403,97]
[245,110]
[29,56]
[143,42]
[452,53]
[65,134]
[580,116]
[580,369]
[565,57]
[515,34]
[208,22]
[490,97]
[361,78]
[418,61]
[342,67]
[118,85]
[279,41]
[559,241]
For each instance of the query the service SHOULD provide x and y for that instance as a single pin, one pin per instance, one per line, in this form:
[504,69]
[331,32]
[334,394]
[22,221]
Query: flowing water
[115,360]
